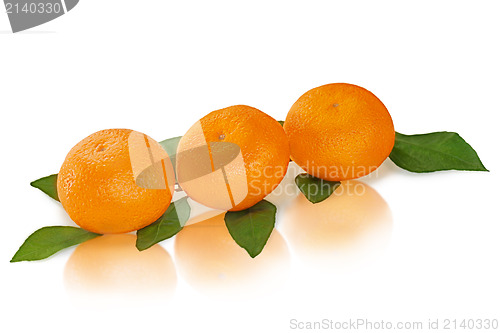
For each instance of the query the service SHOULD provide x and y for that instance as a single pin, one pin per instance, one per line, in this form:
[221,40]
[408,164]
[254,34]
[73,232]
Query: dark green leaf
[48,240]
[434,152]
[171,222]
[47,185]
[315,189]
[170,146]
[251,228]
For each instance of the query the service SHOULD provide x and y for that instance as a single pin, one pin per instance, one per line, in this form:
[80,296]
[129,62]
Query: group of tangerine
[119,180]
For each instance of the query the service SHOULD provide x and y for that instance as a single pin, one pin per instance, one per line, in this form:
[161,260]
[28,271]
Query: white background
[159,66]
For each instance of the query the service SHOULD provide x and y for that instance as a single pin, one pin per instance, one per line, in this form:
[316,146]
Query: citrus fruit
[232,158]
[115,181]
[339,131]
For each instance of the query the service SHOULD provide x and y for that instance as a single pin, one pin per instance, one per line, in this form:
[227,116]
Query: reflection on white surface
[111,264]
[200,213]
[212,263]
[349,228]
[286,190]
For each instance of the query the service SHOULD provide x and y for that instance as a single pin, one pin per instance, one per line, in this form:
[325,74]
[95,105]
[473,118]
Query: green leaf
[48,240]
[282,122]
[434,152]
[170,146]
[251,228]
[315,189]
[169,224]
[47,185]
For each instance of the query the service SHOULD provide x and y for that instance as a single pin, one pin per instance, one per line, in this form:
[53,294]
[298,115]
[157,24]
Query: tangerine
[232,158]
[115,181]
[339,131]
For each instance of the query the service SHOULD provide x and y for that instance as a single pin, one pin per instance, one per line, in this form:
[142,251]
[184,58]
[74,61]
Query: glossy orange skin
[264,148]
[339,131]
[97,189]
